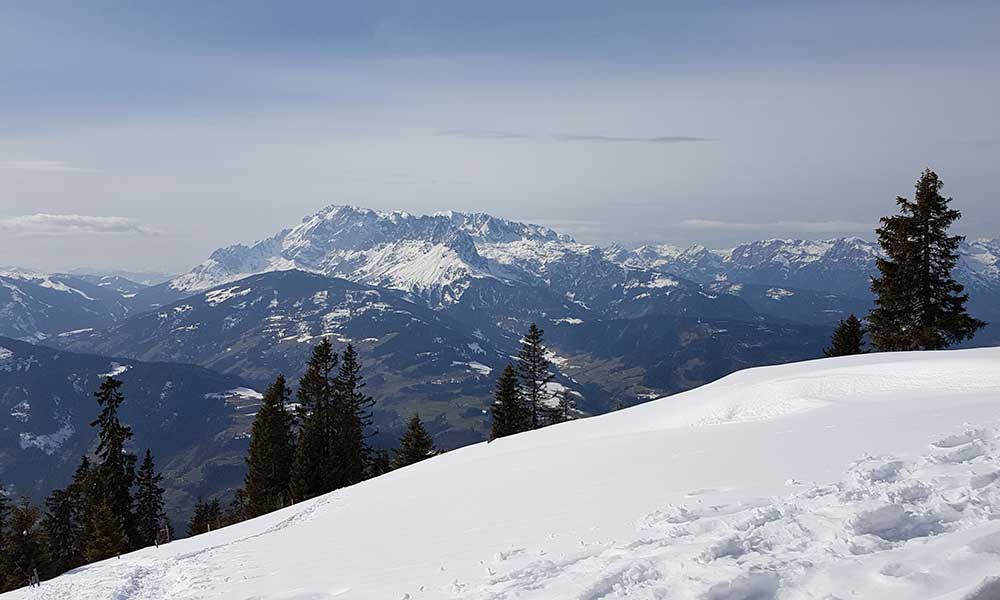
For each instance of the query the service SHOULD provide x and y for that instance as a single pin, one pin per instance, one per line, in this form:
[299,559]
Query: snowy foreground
[861,477]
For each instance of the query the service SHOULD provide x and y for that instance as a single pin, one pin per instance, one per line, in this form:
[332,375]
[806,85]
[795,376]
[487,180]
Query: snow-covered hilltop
[872,476]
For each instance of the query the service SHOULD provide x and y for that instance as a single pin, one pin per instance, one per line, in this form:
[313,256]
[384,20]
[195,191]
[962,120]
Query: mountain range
[437,303]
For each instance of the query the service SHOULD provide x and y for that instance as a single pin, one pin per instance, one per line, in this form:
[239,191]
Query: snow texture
[874,476]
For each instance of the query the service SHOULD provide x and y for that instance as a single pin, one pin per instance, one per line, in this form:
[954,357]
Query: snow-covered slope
[863,477]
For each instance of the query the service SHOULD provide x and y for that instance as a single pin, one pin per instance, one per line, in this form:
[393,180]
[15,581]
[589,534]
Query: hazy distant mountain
[194,420]
[37,306]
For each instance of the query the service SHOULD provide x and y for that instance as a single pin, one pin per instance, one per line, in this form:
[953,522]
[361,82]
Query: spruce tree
[237,511]
[103,531]
[272,451]
[207,516]
[352,417]
[565,410]
[115,471]
[848,338]
[313,465]
[64,524]
[62,527]
[198,522]
[415,445]
[24,550]
[149,515]
[534,369]
[510,415]
[918,305]
[380,463]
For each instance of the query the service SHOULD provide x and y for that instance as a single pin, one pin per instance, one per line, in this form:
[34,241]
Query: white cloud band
[64,224]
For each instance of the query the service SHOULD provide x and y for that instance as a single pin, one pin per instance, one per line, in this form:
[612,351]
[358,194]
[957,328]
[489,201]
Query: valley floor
[863,477]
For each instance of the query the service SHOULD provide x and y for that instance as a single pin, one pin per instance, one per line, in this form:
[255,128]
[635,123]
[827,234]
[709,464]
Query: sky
[144,135]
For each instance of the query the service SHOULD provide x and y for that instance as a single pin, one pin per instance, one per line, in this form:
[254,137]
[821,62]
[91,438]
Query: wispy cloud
[498,134]
[666,139]
[484,134]
[789,226]
[64,224]
[44,165]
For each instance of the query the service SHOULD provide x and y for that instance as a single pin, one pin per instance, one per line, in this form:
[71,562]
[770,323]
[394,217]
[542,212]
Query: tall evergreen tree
[918,305]
[415,445]
[352,419]
[115,471]
[237,511]
[534,368]
[149,515]
[24,550]
[103,531]
[64,522]
[848,338]
[510,415]
[313,465]
[62,527]
[207,516]
[271,454]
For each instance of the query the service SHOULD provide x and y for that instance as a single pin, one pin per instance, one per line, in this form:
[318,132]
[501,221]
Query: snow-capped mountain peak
[434,256]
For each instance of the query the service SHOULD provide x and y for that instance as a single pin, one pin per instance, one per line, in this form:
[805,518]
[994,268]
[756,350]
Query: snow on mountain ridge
[434,256]
[437,257]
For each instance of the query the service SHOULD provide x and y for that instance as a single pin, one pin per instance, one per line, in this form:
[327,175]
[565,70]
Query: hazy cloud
[44,165]
[667,139]
[790,226]
[496,134]
[484,134]
[50,224]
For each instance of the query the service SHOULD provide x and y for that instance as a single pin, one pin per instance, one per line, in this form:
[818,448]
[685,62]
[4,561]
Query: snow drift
[861,477]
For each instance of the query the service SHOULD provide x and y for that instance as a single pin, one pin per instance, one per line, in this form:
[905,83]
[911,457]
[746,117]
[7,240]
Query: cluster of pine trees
[918,305]
[522,399]
[315,447]
[109,508]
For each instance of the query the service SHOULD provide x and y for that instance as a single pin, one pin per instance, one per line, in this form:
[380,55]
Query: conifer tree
[237,511]
[565,410]
[380,463]
[62,527]
[207,516]
[103,531]
[534,369]
[272,451]
[149,515]
[115,471]
[64,524]
[510,415]
[848,338]
[198,522]
[23,549]
[918,305]
[352,419]
[415,445]
[313,465]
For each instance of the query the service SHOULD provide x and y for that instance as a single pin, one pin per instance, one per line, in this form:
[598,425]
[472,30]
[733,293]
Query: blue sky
[201,124]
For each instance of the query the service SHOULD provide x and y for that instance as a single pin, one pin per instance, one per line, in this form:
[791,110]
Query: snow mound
[863,477]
